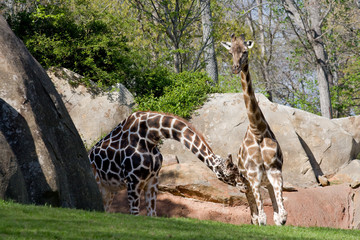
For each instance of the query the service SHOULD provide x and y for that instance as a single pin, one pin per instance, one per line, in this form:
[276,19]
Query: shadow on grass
[164,207]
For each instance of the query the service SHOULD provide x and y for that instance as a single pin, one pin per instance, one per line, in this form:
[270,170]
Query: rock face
[94,112]
[349,173]
[43,160]
[335,206]
[196,180]
[312,145]
[352,126]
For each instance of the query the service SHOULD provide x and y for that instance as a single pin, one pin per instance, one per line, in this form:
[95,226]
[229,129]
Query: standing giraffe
[260,158]
[129,157]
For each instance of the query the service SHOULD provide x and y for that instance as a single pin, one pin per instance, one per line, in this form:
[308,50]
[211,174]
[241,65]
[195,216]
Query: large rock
[43,160]
[94,112]
[327,145]
[196,180]
[352,126]
[335,206]
[348,173]
[312,145]
[356,210]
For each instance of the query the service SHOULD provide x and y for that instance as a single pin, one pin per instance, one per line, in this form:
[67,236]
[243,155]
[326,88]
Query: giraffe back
[129,152]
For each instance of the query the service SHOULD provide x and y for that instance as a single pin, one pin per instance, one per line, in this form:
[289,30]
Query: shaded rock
[169,205]
[43,160]
[93,111]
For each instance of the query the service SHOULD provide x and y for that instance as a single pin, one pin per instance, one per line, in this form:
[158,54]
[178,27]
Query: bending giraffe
[260,158]
[129,157]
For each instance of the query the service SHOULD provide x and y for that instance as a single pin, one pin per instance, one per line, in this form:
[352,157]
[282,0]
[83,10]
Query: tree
[208,41]
[307,23]
[341,38]
[174,18]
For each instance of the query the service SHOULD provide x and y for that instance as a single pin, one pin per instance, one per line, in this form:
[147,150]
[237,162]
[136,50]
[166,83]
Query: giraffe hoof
[280,219]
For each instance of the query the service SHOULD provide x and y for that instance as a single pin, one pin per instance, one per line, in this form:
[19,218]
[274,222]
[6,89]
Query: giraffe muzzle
[236,69]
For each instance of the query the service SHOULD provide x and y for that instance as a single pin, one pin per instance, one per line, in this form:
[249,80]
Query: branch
[293,12]
[252,8]
[326,13]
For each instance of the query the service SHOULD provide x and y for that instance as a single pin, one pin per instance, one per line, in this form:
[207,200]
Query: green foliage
[229,84]
[306,96]
[78,36]
[151,82]
[39,222]
[186,91]
[346,94]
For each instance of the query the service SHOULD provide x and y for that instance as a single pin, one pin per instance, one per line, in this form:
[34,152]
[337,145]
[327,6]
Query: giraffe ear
[249,44]
[226,45]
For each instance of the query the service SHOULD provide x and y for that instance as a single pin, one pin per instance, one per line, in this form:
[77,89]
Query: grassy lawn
[41,222]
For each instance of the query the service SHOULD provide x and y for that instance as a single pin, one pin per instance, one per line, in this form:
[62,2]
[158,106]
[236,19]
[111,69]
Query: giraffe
[128,157]
[260,158]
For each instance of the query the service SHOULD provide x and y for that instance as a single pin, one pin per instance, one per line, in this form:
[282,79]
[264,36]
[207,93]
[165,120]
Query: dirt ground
[322,207]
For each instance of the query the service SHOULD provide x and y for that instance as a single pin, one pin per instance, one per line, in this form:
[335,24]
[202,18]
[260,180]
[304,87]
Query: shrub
[186,92]
[87,41]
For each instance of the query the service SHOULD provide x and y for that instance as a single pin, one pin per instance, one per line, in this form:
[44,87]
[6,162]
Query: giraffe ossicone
[260,158]
[129,157]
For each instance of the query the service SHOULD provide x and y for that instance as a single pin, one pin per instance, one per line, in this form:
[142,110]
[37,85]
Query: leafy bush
[151,82]
[186,92]
[84,40]
[94,43]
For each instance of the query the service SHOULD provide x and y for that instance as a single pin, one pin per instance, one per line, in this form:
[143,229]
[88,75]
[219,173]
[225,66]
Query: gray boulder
[94,112]
[348,173]
[43,160]
[313,146]
[196,180]
[352,126]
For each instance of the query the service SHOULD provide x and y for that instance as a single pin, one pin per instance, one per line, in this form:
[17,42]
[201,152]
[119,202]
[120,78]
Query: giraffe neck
[256,118]
[164,126]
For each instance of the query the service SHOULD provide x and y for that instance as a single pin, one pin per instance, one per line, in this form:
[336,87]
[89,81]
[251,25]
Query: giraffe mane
[201,136]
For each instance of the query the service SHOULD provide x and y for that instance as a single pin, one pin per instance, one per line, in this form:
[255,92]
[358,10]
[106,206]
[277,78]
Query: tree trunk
[263,60]
[208,40]
[177,60]
[324,74]
[310,22]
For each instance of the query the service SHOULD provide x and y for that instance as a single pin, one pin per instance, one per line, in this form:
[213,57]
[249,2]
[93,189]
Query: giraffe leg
[252,204]
[255,187]
[275,191]
[134,192]
[151,191]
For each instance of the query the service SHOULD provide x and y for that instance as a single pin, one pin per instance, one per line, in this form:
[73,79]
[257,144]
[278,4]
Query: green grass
[41,222]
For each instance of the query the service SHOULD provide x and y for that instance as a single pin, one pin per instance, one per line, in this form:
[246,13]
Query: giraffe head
[238,48]
[229,173]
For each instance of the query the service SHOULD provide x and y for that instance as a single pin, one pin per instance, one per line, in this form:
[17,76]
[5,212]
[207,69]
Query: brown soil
[323,207]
